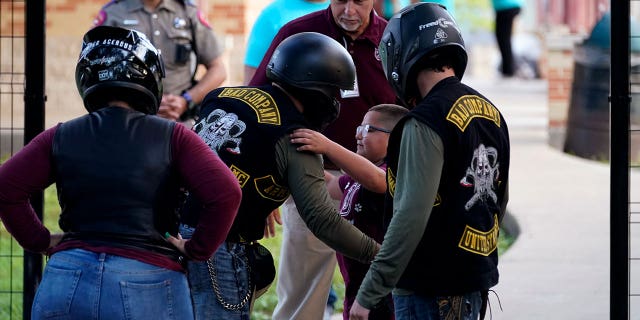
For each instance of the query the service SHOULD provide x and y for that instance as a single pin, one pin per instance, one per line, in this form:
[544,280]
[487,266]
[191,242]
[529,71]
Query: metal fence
[12,45]
[623,256]
[21,119]
[632,209]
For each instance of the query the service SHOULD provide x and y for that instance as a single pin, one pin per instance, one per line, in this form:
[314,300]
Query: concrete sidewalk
[558,268]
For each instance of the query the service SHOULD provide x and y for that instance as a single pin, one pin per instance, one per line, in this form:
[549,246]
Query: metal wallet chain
[216,288]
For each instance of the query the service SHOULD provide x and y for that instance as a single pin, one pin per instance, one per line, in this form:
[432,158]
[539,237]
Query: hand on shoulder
[310,140]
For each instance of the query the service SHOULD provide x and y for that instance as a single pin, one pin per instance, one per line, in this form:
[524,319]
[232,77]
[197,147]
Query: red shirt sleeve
[27,172]
[213,184]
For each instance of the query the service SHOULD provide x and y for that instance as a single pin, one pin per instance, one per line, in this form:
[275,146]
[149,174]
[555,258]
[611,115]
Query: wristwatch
[187,96]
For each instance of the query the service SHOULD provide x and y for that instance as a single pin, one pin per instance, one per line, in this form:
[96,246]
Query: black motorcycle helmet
[418,31]
[313,68]
[119,64]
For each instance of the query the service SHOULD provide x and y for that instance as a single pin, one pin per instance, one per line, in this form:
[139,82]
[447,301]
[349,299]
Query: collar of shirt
[373,32]
[135,5]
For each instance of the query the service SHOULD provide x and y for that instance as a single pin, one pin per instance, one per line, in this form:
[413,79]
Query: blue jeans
[419,307]
[79,284]
[229,273]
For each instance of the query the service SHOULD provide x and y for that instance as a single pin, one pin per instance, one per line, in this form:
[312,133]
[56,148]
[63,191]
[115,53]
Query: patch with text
[468,107]
[261,102]
[479,242]
[242,176]
[269,189]
[391,182]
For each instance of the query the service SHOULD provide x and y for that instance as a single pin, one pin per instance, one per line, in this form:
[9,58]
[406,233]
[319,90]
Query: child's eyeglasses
[364,129]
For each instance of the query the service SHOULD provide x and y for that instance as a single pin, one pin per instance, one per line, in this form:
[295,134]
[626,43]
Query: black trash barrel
[587,133]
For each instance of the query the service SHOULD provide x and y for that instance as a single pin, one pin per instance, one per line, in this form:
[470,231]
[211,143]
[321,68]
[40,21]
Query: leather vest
[243,125]
[458,251]
[114,179]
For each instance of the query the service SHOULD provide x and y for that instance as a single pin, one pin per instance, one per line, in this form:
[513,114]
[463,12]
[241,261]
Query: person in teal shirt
[272,17]
[446,3]
[506,12]
[389,7]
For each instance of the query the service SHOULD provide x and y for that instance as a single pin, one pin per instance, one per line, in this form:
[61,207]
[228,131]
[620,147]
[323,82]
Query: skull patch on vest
[221,129]
[481,174]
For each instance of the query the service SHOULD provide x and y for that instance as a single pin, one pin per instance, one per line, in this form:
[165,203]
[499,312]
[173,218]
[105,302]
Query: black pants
[504,29]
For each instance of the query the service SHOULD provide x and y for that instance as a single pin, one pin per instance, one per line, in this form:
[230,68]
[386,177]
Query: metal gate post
[619,156]
[33,125]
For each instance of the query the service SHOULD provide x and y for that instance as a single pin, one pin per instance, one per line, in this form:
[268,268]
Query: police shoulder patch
[100,18]
[203,19]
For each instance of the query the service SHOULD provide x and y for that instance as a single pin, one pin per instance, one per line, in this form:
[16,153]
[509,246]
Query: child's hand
[310,140]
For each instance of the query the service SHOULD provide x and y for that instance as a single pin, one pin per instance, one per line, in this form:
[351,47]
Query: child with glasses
[361,189]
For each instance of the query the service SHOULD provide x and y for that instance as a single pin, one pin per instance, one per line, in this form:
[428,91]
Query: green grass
[10,277]
[504,241]
[11,267]
[263,307]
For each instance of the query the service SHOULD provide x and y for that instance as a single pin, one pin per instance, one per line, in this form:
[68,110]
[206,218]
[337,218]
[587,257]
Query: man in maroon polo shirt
[306,264]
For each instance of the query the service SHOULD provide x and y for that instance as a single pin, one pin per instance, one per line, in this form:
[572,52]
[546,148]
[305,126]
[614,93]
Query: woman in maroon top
[118,171]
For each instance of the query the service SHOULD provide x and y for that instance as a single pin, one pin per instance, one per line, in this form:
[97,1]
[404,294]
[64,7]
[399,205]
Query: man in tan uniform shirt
[186,40]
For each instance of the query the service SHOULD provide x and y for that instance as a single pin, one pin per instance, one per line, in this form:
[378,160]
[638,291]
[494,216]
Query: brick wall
[568,22]
[576,15]
[559,74]
[232,20]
